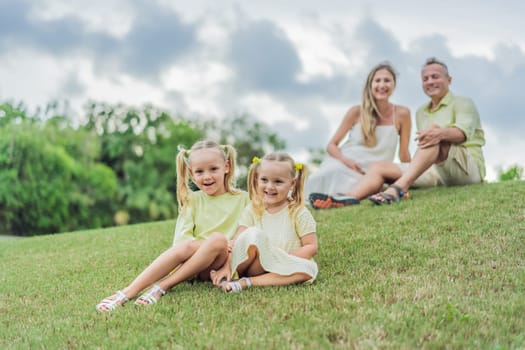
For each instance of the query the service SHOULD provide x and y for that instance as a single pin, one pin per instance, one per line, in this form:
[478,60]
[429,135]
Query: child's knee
[217,241]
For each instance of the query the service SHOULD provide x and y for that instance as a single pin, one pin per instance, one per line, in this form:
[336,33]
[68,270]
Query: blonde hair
[183,169]
[369,110]
[297,171]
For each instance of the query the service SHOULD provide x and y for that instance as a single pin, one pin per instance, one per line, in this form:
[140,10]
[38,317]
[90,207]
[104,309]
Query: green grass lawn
[443,270]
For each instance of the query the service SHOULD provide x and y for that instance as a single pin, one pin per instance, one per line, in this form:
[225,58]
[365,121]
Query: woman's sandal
[110,303]
[386,198]
[236,286]
[325,201]
[151,296]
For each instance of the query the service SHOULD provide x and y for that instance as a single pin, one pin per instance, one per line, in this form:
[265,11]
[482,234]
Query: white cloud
[317,50]
[270,110]
[31,77]
[114,17]
[201,85]
[297,65]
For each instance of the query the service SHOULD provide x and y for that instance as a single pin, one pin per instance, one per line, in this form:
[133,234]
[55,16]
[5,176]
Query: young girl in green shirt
[207,220]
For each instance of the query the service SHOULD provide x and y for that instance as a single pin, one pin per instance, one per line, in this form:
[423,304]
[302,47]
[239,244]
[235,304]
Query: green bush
[514,172]
[44,189]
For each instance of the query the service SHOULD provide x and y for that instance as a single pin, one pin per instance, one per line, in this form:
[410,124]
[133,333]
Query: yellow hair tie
[298,166]
[256,160]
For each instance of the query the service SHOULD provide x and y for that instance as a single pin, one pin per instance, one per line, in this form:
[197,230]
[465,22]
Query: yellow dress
[205,215]
[275,235]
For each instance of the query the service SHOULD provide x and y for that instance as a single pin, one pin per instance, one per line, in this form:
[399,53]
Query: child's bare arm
[309,246]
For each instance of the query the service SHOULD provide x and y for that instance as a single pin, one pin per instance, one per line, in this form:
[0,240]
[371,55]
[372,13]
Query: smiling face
[382,85]
[208,170]
[435,82]
[274,181]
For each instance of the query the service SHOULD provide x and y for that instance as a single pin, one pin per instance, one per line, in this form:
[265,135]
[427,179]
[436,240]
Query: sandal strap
[111,303]
[383,198]
[236,286]
[247,281]
[400,192]
[150,297]
[389,198]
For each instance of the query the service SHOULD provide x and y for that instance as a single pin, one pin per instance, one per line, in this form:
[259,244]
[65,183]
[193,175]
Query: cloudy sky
[298,65]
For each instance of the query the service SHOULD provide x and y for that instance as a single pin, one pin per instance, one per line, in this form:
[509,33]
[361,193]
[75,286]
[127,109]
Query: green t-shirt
[206,214]
[459,112]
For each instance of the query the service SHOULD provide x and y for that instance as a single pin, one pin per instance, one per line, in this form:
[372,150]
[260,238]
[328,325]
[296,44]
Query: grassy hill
[445,269]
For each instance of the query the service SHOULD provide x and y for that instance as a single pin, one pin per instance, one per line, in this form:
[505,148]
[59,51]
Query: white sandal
[236,286]
[110,303]
[151,296]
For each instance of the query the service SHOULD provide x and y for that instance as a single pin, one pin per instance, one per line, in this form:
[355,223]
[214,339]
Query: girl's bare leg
[253,269]
[207,255]
[161,267]
[191,257]
[252,265]
[273,279]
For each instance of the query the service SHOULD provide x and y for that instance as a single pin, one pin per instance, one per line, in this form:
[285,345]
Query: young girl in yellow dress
[276,240]
[207,219]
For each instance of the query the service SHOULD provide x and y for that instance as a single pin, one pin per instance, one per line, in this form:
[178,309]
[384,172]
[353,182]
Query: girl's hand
[220,275]
[230,245]
[353,165]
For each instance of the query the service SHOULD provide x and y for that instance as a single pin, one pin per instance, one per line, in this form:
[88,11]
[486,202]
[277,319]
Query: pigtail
[183,188]
[229,180]
[256,200]
[296,202]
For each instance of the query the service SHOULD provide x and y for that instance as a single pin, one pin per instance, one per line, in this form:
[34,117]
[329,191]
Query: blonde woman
[372,130]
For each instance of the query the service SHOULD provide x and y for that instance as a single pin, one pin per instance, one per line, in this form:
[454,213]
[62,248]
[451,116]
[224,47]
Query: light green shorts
[458,169]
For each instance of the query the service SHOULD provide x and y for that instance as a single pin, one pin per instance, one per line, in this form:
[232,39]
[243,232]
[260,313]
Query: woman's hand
[352,165]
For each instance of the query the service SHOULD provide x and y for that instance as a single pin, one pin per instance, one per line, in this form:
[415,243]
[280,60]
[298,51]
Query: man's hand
[429,137]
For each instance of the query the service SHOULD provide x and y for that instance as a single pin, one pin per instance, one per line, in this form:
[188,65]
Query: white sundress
[275,235]
[333,176]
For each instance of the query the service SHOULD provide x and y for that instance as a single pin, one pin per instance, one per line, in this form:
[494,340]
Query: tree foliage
[115,166]
[140,146]
[47,182]
[514,172]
